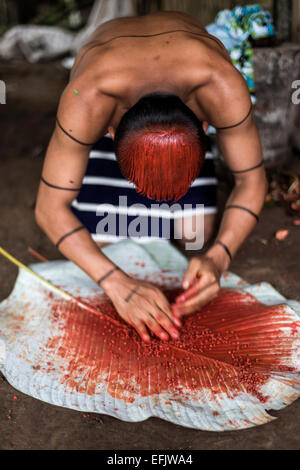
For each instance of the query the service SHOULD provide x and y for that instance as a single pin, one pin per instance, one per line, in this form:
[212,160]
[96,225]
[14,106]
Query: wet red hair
[162,160]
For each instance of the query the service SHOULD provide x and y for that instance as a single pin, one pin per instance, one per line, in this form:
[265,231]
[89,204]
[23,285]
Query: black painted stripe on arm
[58,187]
[71,137]
[248,169]
[239,123]
[68,234]
[235,206]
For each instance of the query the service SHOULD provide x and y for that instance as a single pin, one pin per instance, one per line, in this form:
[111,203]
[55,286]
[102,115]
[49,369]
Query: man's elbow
[40,214]
[47,213]
[257,181]
[265,184]
[261,187]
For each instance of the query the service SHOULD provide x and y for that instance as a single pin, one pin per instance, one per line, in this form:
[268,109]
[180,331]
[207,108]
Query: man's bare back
[167,51]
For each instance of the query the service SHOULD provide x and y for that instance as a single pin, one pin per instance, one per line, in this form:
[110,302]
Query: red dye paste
[232,345]
[162,162]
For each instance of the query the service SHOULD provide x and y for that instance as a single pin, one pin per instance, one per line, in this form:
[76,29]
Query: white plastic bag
[35,43]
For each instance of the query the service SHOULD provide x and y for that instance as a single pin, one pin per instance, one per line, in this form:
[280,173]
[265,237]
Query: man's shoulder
[225,97]
[228,82]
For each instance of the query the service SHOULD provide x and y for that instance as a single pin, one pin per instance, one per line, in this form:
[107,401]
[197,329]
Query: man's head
[160,146]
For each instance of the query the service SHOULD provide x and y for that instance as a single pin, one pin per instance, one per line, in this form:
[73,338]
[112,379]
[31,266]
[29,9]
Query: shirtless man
[166,54]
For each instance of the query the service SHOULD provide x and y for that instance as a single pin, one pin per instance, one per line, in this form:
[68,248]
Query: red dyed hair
[162,160]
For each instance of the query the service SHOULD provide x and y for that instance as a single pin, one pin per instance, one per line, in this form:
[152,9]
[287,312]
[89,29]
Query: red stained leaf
[236,350]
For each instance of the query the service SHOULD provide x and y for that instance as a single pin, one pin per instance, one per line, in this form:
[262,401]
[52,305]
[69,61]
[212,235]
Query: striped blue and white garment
[111,209]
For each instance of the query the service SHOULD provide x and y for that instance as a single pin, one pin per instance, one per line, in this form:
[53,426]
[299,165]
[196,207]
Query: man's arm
[83,117]
[64,168]
[242,151]
[241,148]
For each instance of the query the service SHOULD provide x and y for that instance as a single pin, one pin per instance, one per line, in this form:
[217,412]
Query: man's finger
[163,305]
[155,328]
[141,329]
[162,319]
[203,281]
[167,324]
[191,273]
[188,293]
[199,300]
[176,311]
[162,302]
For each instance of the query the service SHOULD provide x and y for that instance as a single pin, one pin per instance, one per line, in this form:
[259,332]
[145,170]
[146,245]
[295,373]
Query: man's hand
[201,283]
[143,306]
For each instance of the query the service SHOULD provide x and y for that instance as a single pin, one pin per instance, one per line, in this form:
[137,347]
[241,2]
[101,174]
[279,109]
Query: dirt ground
[26,423]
